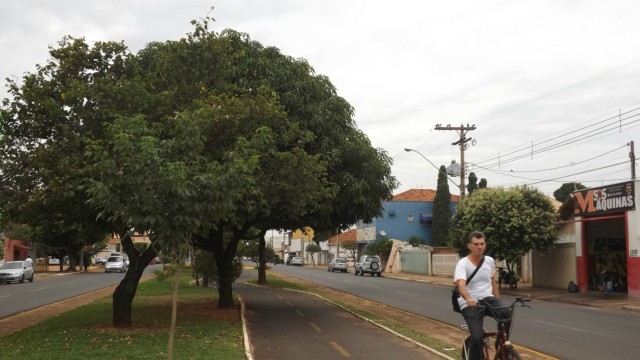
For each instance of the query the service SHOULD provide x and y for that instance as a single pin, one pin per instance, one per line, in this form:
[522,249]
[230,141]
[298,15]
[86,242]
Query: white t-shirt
[480,286]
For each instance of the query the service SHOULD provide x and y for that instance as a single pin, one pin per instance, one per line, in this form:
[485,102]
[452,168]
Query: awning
[426,218]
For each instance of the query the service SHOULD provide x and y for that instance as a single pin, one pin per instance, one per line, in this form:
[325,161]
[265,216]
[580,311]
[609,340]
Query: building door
[607,254]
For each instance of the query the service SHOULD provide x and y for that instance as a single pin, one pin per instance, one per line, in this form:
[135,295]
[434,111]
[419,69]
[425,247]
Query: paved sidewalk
[290,325]
[614,300]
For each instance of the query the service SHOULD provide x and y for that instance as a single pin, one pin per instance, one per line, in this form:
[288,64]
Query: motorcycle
[507,277]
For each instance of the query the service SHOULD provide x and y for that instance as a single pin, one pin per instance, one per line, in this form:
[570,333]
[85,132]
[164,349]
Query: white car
[116,264]
[16,271]
[297,261]
[54,261]
[339,264]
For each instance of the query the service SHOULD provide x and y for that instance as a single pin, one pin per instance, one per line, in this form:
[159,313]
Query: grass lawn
[203,331]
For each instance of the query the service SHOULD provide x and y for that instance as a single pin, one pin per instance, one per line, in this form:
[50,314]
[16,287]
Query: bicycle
[600,282]
[504,350]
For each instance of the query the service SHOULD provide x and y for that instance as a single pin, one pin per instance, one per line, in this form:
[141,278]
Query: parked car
[339,264]
[16,271]
[100,260]
[116,263]
[369,264]
[296,261]
[54,261]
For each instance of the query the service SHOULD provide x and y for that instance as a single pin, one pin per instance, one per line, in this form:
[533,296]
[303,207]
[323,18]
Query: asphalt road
[16,298]
[292,325]
[565,330]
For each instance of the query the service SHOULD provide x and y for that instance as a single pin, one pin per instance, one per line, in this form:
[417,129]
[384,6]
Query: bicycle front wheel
[465,349]
[467,346]
[512,354]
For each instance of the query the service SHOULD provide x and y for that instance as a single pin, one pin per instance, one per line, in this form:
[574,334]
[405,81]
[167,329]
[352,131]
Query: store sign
[605,199]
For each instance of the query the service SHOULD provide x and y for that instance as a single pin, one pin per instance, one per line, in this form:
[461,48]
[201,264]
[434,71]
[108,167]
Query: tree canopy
[566,189]
[472,183]
[210,140]
[515,221]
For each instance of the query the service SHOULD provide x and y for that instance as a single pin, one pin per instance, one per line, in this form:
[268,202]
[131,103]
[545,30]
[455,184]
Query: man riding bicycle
[482,286]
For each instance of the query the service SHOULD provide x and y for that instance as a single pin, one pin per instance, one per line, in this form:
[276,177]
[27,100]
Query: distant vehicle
[16,271]
[296,261]
[116,263]
[339,264]
[277,260]
[289,257]
[54,261]
[369,264]
[100,260]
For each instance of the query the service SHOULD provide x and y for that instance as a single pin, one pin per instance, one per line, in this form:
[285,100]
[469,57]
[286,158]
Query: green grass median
[203,331]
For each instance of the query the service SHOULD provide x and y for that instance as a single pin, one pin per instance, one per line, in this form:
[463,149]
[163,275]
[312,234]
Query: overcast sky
[552,87]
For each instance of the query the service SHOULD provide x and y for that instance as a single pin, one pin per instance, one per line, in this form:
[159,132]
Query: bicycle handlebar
[518,300]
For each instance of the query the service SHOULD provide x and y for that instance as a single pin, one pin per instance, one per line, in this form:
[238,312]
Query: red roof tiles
[349,235]
[420,195]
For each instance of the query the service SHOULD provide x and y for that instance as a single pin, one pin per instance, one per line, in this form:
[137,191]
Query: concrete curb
[245,332]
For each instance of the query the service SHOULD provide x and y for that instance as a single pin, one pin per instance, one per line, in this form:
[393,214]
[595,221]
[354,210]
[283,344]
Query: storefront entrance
[607,259]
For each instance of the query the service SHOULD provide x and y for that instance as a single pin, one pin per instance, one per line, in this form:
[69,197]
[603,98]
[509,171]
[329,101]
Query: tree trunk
[262,260]
[225,284]
[122,298]
[174,312]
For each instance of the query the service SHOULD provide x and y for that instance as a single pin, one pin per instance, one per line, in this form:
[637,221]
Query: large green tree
[441,213]
[324,168]
[515,221]
[211,139]
[302,149]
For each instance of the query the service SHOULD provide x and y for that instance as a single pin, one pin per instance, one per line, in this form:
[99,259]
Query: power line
[559,90]
[608,127]
[505,172]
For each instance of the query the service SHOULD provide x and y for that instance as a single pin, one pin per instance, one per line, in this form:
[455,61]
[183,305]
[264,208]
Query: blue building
[407,214]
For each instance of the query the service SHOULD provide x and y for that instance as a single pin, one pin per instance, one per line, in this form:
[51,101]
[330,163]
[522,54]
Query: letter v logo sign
[584,205]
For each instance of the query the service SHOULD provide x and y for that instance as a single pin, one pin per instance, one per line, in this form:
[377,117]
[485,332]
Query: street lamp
[437,168]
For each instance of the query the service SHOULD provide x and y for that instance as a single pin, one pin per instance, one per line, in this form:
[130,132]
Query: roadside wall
[416,261]
[554,269]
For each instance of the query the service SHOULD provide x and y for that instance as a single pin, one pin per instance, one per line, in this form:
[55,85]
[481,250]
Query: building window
[410,218]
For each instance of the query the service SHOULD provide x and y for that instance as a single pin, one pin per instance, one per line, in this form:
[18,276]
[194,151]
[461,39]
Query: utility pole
[632,156]
[462,131]
[338,240]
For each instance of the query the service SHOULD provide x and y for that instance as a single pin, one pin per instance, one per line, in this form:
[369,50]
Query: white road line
[4,296]
[408,293]
[373,286]
[340,349]
[42,288]
[574,329]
